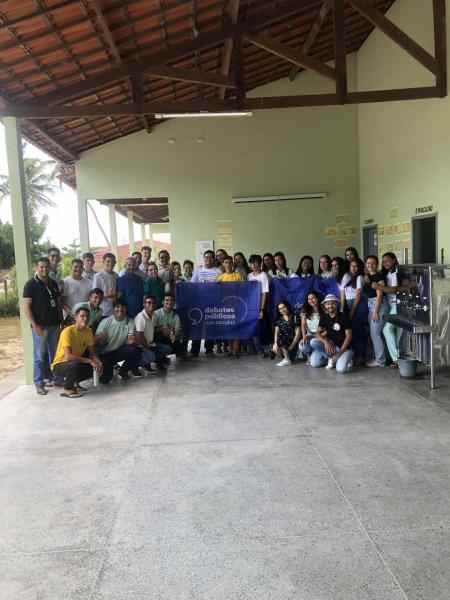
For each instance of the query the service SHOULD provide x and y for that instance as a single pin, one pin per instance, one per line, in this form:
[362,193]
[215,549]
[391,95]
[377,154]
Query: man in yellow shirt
[71,363]
[230,275]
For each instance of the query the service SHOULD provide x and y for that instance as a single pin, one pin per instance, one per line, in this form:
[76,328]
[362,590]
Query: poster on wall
[224,236]
[200,248]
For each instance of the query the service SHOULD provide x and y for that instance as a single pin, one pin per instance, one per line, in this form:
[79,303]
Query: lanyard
[49,291]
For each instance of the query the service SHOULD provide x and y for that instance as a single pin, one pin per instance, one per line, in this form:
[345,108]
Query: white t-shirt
[107,282]
[312,324]
[144,324]
[350,291]
[76,290]
[392,281]
[263,280]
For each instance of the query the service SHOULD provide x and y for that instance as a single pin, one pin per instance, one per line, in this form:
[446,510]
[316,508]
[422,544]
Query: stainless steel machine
[423,313]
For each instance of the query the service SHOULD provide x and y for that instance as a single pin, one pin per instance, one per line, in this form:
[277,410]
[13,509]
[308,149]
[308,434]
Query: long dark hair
[306,309]
[283,258]
[244,260]
[354,276]
[328,259]
[288,306]
[342,267]
[299,268]
[270,255]
[394,258]
[353,250]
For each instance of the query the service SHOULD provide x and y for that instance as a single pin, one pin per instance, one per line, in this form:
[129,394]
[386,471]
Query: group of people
[92,323]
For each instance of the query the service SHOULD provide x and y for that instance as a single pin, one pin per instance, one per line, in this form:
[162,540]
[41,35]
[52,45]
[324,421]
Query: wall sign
[422,210]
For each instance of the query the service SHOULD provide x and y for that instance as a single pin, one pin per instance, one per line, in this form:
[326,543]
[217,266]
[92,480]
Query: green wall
[273,152]
[404,147]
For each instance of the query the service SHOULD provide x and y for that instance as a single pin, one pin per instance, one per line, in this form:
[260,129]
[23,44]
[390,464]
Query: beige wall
[404,147]
[273,152]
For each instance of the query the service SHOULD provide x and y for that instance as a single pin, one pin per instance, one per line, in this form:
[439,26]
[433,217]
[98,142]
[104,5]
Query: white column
[131,230]
[150,238]
[143,238]
[113,230]
[83,223]
[13,138]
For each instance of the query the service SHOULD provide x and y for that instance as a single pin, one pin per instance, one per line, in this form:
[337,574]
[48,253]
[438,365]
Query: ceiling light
[201,140]
[171,140]
[195,115]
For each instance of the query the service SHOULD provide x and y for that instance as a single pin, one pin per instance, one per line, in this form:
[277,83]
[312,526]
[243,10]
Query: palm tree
[40,183]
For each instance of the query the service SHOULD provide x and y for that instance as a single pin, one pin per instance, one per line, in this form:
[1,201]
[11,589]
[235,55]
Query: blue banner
[218,311]
[296,289]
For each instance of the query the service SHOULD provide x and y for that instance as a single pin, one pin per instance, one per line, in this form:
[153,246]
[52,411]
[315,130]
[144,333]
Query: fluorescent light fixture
[249,199]
[195,115]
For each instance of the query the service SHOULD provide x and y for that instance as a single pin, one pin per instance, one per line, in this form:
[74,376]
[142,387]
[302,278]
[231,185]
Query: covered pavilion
[79,74]
[297,125]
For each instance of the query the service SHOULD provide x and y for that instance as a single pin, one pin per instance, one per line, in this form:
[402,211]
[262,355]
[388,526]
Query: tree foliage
[40,184]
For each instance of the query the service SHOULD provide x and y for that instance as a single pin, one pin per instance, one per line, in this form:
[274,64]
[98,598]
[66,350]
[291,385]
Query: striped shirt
[204,275]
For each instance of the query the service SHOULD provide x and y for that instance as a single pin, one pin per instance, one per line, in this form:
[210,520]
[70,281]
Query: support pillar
[13,138]
[131,230]
[150,238]
[113,230]
[143,238]
[83,223]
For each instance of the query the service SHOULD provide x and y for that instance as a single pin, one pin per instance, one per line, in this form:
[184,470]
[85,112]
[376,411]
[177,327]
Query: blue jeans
[376,330]
[156,354]
[319,357]
[392,335]
[360,332]
[304,348]
[44,348]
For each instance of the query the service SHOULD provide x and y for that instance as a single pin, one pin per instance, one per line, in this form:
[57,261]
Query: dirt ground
[11,349]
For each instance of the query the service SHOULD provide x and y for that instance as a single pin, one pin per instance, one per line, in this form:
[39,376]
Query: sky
[62,227]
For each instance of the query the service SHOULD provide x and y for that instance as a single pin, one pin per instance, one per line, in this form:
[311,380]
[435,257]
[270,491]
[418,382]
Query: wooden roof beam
[340,56]
[232,14]
[398,36]
[287,53]
[106,31]
[189,75]
[204,40]
[440,44]
[217,105]
[313,34]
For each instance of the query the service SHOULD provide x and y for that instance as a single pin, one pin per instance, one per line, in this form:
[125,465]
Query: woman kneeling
[287,335]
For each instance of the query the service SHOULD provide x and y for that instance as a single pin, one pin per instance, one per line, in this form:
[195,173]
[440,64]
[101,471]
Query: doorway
[370,240]
[424,239]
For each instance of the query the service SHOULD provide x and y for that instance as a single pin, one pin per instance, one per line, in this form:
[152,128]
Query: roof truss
[139,59]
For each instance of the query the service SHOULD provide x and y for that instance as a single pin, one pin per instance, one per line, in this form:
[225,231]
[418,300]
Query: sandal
[71,394]
[393,365]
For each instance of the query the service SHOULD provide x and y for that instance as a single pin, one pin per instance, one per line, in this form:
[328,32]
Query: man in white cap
[331,346]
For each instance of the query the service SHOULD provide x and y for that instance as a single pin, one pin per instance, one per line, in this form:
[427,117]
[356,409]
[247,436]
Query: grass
[10,307]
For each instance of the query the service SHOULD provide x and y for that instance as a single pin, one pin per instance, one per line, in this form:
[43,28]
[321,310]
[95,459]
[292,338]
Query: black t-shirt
[368,289]
[335,327]
[44,301]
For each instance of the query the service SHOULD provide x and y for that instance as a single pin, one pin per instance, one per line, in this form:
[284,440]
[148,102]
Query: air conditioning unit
[285,198]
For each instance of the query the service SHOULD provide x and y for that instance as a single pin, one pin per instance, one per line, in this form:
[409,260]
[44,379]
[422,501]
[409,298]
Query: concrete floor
[228,481]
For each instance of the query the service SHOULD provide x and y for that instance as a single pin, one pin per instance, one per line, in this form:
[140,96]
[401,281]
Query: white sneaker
[331,364]
[284,363]
[373,363]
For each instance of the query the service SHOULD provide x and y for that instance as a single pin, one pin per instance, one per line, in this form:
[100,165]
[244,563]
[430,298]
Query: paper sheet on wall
[200,248]
[224,237]
[342,219]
